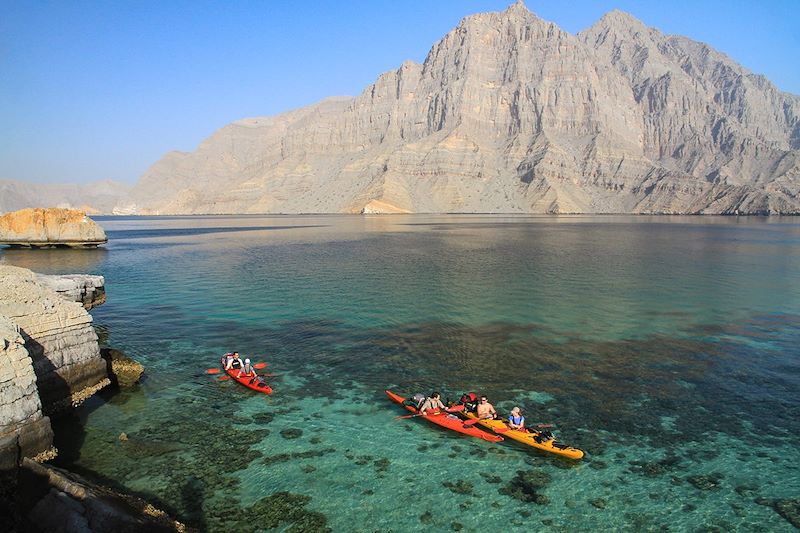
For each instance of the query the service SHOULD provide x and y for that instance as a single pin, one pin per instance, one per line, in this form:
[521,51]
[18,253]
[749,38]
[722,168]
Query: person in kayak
[516,420]
[248,371]
[433,403]
[485,409]
[234,362]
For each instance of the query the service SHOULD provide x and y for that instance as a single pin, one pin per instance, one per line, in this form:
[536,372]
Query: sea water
[666,348]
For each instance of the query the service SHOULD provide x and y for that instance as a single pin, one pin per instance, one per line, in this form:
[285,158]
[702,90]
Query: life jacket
[469,400]
[237,363]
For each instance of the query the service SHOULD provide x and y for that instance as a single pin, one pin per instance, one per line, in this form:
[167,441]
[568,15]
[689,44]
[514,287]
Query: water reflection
[56,260]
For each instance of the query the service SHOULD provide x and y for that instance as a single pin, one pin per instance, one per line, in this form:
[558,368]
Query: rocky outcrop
[52,227]
[24,430]
[59,338]
[88,290]
[509,113]
[124,372]
[60,501]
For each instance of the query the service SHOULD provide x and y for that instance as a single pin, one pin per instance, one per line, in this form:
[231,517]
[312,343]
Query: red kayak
[446,420]
[256,384]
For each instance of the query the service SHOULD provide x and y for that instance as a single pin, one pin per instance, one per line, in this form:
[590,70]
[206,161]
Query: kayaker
[485,409]
[247,370]
[432,402]
[516,420]
[235,362]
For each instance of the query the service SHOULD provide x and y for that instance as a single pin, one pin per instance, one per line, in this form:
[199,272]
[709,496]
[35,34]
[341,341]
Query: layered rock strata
[59,338]
[24,430]
[51,227]
[510,114]
[88,290]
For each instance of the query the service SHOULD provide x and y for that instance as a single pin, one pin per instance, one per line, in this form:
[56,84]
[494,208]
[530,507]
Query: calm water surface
[667,348]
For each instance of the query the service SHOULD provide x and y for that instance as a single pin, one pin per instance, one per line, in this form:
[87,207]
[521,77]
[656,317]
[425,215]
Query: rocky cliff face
[509,113]
[24,430]
[58,337]
[39,228]
[88,290]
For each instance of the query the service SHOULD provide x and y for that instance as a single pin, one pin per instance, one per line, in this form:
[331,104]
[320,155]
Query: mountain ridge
[508,113]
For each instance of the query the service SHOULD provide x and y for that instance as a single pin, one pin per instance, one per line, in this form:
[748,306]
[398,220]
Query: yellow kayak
[531,438]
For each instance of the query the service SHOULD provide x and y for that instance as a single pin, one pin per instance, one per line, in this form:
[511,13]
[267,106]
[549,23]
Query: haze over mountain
[510,114]
[98,197]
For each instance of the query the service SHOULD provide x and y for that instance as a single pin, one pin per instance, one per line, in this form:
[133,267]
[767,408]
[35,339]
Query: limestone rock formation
[88,290]
[24,431]
[50,227]
[58,336]
[509,113]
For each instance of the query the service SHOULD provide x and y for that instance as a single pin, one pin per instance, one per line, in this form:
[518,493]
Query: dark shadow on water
[182,232]
[58,260]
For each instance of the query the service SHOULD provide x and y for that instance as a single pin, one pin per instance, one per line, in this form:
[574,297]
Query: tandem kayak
[530,438]
[446,420]
[258,384]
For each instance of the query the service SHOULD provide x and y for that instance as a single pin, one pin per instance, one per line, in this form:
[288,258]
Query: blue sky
[101,90]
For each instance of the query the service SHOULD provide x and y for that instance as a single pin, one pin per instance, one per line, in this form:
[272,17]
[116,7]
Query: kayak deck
[446,420]
[528,438]
[258,384]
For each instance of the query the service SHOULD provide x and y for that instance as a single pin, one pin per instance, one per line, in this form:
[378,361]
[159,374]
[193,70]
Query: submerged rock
[526,487]
[124,372]
[51,227]
[706,482]
[789,509]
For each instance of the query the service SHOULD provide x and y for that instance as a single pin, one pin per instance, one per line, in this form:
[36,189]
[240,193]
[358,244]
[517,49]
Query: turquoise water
[665,347]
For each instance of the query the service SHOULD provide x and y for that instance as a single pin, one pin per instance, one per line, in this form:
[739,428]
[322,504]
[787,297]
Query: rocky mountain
[509,113]
[92,198]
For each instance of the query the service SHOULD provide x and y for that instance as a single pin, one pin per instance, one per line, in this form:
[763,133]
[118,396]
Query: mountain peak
[518,7]
[620,19]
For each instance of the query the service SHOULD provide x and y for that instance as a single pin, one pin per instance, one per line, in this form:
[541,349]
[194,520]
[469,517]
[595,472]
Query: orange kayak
[446,420]
[258,384]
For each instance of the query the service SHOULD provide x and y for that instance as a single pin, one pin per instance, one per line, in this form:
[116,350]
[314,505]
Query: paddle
[213,371]
[224,378]
[407,416]
[453,409]
[260,365]
[473,421]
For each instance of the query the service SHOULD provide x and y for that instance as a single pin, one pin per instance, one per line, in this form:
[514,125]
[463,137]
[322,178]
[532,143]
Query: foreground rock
[24,430]
[57,500]
[51,227]
[59,338]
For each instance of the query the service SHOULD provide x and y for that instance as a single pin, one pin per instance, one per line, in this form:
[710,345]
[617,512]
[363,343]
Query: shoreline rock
[85,289]
[50,362]
[59,338]
[123,371]
[24,430]
[49,228]
[55,497]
